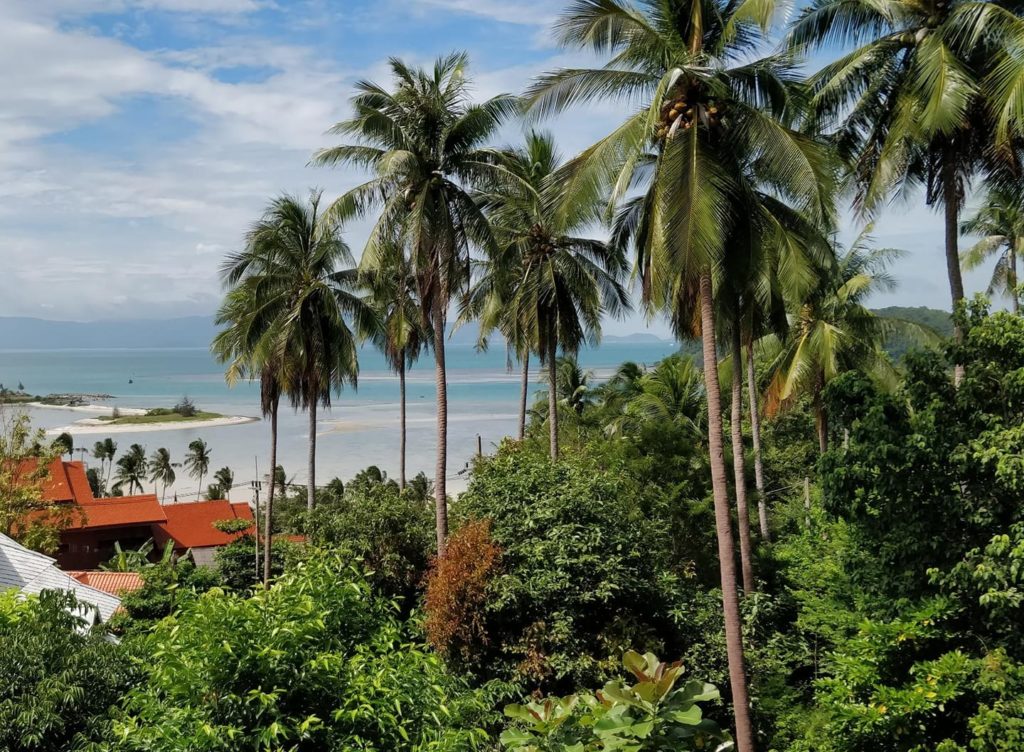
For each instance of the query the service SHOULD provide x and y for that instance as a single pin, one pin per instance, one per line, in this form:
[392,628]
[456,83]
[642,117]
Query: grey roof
[32,572]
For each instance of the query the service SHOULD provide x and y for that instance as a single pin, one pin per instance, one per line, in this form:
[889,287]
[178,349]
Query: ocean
[360,429]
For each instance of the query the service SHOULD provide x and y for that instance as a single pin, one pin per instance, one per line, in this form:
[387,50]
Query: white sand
[94,425]
[100,409]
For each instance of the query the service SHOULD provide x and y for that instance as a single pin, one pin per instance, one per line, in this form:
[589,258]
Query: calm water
[360,429]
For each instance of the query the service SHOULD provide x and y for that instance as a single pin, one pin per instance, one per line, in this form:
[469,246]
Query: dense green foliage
[57,676]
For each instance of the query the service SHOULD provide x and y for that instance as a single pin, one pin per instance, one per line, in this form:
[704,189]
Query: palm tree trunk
[523,389]
[311,472]
[723,526]
[821,423]
[1012,277]
[738,465]
[552,397]
[951,207]
[199,493]
[269,510]
[755,432]
[440,474]
[401,420]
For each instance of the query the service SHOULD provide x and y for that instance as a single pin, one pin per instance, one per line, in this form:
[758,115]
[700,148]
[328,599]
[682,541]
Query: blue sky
[139,138]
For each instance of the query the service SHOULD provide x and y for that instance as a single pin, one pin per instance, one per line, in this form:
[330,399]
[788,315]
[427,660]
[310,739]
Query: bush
[584,575]
[57,678]
[315,663]
[186,408]
[236,562]
[658,713]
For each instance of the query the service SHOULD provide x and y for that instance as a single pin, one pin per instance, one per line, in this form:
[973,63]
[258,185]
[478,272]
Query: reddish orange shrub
[457,590]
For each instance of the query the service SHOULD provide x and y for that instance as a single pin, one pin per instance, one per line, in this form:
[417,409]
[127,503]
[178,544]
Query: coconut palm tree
[708,161]
[925,95]
[197,462]
[562,283]
[105,451]
[832,331]
[161,470]
[298,274]
[131,468]
[671,392]
[64,444]
[403,332]
[423,143]
[1000,223]
[225,478]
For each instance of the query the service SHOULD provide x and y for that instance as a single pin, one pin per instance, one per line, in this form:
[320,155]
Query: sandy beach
[97,409]
[96,426]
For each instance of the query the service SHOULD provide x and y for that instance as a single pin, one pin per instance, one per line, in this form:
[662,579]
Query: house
[115,583]
[97,524]
[191,525]
[31,573]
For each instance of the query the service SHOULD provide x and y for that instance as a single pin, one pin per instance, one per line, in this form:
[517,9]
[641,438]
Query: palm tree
[1000,223]
[833,331]
[292,275]
[131,468]
[423,142]
[402,335]
[105,451]
[197,462]
[562,283]
[671,392]
[161,469]
[64,444]
[709,162]
[225,479]
[923,97]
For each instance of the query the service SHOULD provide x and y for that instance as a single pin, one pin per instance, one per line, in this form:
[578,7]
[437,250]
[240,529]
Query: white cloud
[524,12]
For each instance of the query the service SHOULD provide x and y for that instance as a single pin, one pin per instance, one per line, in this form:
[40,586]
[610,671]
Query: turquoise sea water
[359,430]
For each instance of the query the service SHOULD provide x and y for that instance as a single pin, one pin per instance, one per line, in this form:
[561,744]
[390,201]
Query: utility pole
[479,446]
[256,487]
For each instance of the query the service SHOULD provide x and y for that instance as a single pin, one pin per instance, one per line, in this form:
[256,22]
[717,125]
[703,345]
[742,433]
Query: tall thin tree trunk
[821,423]
[269,511]
[755,432]
[523,389]
[311,472]
[738,465]
[440,489]
[552,396]
[951,207]
[401,420]
[199,493]
[1012,277]
[723,526]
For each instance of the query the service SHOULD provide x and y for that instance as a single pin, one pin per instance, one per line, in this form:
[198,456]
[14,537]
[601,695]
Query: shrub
[186,408]
[315,663]
[658,713]
[57,678]
[236,562]
[457,591]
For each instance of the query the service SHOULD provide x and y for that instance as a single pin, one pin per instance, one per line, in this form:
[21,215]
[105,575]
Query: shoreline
[95,426]
[101,409]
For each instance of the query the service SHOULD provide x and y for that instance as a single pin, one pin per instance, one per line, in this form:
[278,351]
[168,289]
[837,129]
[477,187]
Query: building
[97,524]
[31,573]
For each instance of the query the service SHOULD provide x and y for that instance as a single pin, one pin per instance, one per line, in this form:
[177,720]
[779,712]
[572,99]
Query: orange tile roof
[190,524]
[117,511]
[115,583]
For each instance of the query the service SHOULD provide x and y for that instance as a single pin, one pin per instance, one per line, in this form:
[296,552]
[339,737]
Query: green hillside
[941,322]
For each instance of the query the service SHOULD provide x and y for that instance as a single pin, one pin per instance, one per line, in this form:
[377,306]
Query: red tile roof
[115,583]
[190,524]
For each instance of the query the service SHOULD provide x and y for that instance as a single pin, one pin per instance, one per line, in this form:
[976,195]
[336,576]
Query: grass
[158,417]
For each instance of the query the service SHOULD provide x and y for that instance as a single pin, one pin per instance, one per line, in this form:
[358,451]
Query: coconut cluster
[684,111]
[541,241]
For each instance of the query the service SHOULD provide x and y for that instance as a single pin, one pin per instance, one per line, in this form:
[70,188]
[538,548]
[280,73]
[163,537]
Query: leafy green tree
[131,469]
[403,332]
[717,163]
[161,470]
[423,143]
[25,460]
[310,664]
[1000,223]
[58,677]
[197,462]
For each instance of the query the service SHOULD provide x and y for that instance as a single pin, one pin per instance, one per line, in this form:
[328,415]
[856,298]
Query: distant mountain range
[23,333]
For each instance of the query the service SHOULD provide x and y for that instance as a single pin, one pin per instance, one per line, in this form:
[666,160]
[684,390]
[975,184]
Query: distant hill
[18,333]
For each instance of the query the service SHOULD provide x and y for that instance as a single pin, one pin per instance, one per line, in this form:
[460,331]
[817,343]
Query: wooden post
[807,501]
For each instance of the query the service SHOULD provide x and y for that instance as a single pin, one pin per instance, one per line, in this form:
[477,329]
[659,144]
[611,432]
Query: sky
[140,138]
